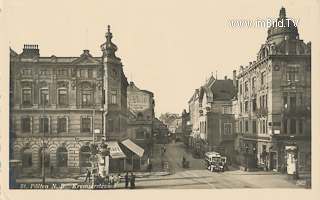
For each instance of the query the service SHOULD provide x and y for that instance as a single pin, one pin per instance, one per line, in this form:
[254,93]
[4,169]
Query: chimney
[30,51]
[234,78]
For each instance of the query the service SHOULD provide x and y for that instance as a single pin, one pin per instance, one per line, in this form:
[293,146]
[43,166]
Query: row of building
[72,103]
[263,112]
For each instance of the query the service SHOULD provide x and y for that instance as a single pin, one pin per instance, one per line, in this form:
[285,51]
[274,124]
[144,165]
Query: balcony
[260,112]
[298,111]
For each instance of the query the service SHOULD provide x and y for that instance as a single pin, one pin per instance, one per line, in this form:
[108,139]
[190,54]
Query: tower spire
[282,12]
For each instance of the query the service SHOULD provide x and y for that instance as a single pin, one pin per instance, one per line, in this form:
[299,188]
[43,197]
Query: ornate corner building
[274,100]
[72,102]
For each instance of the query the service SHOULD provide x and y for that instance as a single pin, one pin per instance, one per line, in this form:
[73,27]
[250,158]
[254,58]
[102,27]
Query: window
[139,135]
[44,125]
[44,98]
[240,107]
[300,126]
[240,88]
[62,72]
[85,124]
[285,99]
[82,73]
[246,86]
[44,72]
[25,125]
[293,103]
[246,106]
[263,126]
[254,126]
[246,126]
[226,110]
[227,128]
[292,73]
[285,126]
[90,73]
[27,158]
[266,101]
[253,82]
[300,97]
[62,157]
[113,97]
[62,125]
[293,126]
[254,104]
[240,127]
[62,95]
[26,71]
[26,96]
[263,101]
[263,78]
[86,97]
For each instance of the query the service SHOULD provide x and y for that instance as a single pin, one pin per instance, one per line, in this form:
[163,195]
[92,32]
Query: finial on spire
[282,12]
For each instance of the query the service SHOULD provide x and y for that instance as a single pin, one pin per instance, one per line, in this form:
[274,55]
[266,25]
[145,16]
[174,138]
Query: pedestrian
[150,167]
[132,181]
[118,178]
[88,175]
[111,181]
[100,180]
[106,180]
[126,178]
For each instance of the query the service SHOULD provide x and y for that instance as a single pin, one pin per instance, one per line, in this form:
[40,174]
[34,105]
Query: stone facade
[73,100]
[274,100]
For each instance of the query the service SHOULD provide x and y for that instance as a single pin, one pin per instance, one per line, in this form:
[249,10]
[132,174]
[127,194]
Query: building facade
[274,101]
[69,103]
[141,117]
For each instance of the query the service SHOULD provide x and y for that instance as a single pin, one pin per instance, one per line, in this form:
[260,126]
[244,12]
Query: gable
[86,60]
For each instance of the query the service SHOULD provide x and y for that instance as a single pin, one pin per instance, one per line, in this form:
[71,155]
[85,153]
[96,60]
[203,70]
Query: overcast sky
[169,47]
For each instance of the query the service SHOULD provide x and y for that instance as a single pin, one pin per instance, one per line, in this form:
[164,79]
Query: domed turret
[109,48]
[287,26]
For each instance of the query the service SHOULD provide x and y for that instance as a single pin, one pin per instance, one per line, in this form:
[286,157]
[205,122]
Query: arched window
[62,157]
[84,156]
[26,158]
[46,157]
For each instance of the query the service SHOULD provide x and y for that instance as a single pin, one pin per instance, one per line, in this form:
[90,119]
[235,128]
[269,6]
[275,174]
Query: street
[197,177]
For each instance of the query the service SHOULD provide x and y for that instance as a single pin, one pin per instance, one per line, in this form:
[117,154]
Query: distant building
[140,117]
[160,131]
[186,127]
[274,101]
[211,117]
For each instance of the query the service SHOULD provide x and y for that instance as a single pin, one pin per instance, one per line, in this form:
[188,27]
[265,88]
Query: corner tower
[115,92]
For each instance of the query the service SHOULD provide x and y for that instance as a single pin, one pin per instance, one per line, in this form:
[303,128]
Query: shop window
[62,157]
[27,158]
[25,125]
[85,125]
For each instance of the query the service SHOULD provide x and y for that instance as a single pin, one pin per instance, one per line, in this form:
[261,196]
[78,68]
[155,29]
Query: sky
[166,47]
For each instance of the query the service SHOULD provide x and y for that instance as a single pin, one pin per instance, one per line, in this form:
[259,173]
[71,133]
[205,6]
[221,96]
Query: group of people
[110,181]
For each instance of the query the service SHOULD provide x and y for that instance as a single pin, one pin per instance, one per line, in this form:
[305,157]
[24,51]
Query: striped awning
[115,150]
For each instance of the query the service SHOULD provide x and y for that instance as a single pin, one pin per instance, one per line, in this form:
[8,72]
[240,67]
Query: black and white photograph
[161,97]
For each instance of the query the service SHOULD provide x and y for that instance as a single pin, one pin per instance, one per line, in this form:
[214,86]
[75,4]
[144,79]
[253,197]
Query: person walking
[132,181]
[111,182]
[150,167]
[126,178]
[88,175]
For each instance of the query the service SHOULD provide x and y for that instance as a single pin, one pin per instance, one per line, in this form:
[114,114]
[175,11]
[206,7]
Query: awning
[115,150]
[133,147]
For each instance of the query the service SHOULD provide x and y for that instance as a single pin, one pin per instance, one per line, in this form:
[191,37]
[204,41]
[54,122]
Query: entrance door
[273,160]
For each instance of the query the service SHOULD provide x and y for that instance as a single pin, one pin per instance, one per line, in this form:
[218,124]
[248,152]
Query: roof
[223,90]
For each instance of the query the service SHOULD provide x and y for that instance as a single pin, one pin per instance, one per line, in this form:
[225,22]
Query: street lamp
[43,97]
